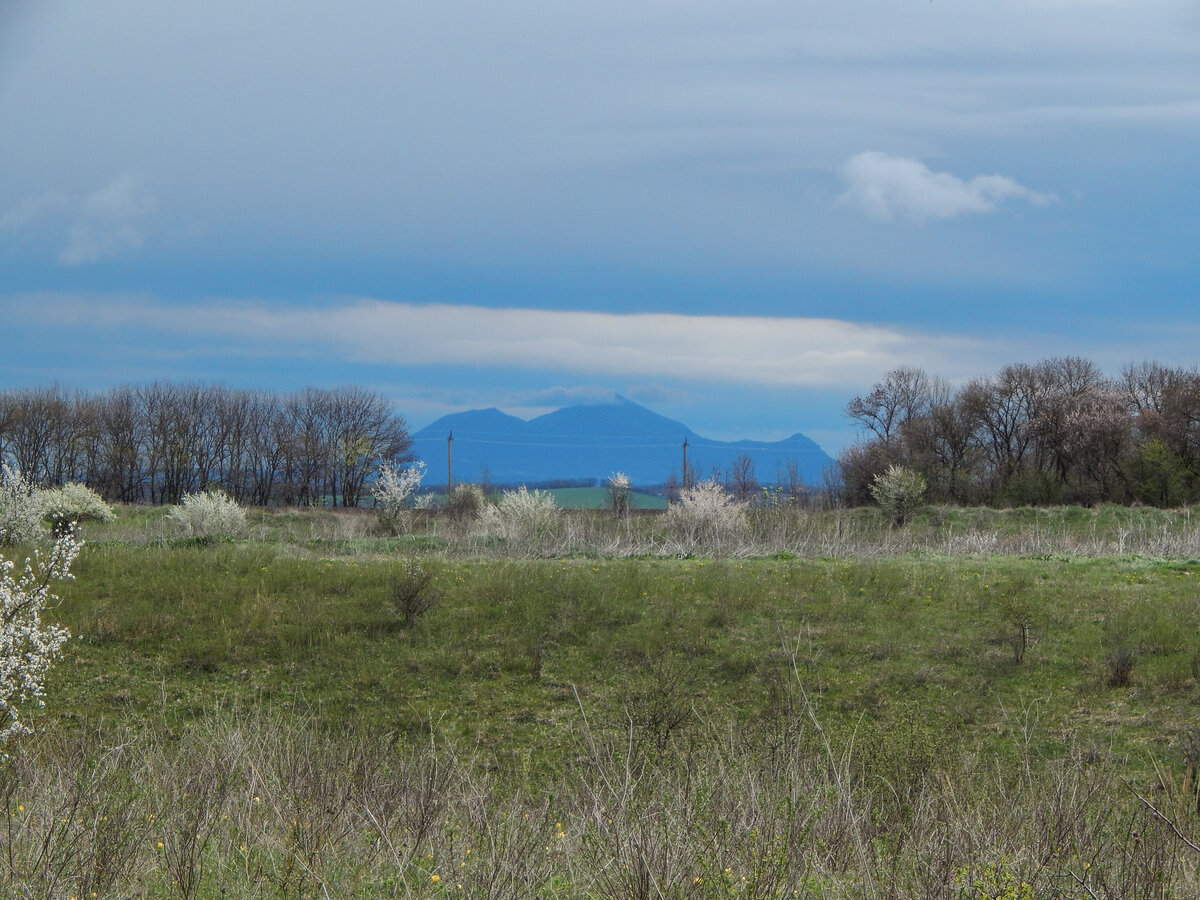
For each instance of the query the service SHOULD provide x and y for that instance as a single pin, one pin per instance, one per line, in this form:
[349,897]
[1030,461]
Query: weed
[410,593]
[1120,662]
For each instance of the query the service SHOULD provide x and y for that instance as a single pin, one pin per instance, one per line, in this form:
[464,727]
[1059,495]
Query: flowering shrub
[705,516]
[620,494]
[20,511]
[208,513]
[522,516]
[898,491]
[393,491]
[467,502]
[27,647]
[73,502]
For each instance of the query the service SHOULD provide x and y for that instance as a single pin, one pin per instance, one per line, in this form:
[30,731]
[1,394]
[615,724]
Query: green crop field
[315,709]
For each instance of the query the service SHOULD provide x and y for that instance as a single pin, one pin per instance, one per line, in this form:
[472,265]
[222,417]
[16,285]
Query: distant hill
[589,442]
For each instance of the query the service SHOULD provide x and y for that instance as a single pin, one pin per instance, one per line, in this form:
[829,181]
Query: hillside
[591,441]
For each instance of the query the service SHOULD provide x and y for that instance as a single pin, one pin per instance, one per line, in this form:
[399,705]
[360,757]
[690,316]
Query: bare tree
[903,394]
[741,480]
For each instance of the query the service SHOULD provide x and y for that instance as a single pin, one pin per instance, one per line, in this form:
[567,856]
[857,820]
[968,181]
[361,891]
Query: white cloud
[31,209]
[108,222]
[111,221]
[887,188]
[768,351]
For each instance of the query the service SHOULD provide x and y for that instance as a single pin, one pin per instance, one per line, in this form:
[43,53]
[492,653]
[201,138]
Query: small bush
[394,492]
[20,512]
[1121,661]
[208,513]
[73,502]
[706,516]
[620,494]
[522,516]
[467,502]
[898,491]
[410,594]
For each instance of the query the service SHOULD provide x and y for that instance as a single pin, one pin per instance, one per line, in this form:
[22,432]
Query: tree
[903,395]
[898,491]
[741,480]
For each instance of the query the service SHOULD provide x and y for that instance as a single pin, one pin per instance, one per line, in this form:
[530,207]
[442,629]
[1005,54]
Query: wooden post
[449,466]
[683,477]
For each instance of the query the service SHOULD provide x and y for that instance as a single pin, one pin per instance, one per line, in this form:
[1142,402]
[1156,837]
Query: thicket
[155,443]
[1055,432]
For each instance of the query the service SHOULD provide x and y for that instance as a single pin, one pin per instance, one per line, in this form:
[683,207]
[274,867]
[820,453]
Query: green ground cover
[971,646]
[319,710]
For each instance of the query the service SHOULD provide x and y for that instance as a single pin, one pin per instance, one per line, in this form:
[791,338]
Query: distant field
[586,498]
[319,710]
[597,498]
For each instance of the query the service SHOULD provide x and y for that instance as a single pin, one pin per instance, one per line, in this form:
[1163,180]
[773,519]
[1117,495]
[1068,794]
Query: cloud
[109,222]
[886,188]
[767,351]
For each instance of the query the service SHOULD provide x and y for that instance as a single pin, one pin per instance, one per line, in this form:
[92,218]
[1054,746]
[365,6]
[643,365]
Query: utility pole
[449,466]
[683,478]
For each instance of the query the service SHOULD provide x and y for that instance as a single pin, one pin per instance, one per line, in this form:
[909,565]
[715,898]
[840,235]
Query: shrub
[620,494]
[20,512]
[706,516]
[522,516]
[898,491]
[410,593]
[27,647]
[393,491]
[467,502]
[208,513]
[1120,662]
[73,502]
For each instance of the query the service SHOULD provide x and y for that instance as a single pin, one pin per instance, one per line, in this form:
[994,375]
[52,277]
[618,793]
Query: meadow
[980,704]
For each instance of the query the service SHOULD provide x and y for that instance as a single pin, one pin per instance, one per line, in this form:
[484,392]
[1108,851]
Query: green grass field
[318,710]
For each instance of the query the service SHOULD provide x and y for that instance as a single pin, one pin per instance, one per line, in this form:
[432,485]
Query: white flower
[394,489]
[208,512]
[28,647]
[20,511]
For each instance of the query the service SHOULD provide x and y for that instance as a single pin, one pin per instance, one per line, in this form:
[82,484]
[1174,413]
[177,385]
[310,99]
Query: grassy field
[983,704]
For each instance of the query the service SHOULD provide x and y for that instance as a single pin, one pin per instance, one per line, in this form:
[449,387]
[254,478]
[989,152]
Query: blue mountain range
[591,441]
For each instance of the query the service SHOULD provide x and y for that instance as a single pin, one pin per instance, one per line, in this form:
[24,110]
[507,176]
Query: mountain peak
[589,441]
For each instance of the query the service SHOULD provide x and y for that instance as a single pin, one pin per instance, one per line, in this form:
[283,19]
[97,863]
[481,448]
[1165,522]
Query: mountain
[591,441]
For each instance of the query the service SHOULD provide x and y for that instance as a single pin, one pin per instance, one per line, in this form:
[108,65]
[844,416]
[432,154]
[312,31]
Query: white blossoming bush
[208,513]
[898,491]
[706,517]
[20,511]
[522,517]
[467,502]
[73,502]
[394,490]
[620,494]
[28,647]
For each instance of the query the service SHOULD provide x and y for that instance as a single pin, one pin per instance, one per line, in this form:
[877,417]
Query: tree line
[154,443]
[1056,431]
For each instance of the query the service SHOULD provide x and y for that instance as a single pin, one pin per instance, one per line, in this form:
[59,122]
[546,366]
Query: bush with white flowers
[620,494]
[28,647]
[20,510]
[467,502]
[522,516]
[706,517]
[898,491]
[208,513]
[73,502]
[394,491]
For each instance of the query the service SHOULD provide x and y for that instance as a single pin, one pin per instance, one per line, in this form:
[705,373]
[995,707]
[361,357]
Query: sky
[740,214]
